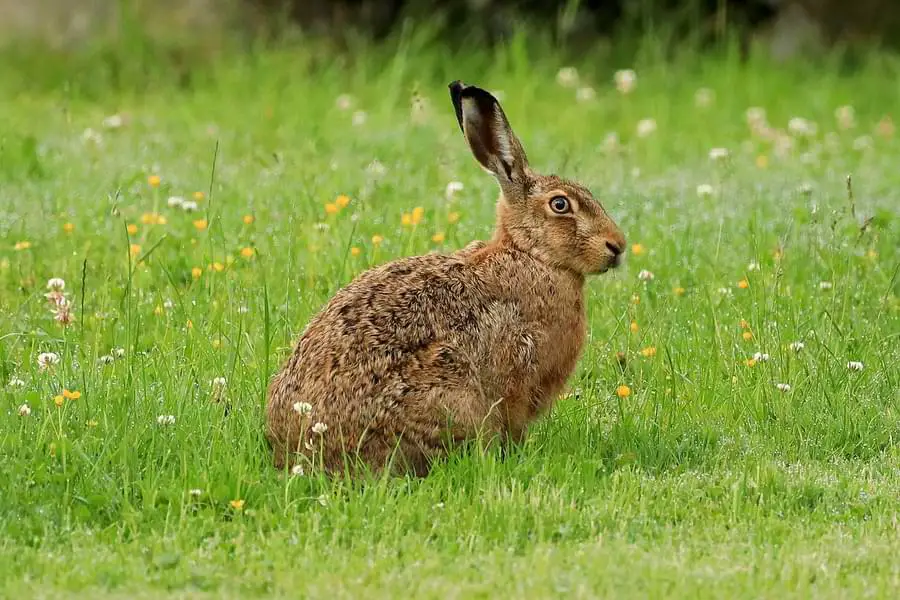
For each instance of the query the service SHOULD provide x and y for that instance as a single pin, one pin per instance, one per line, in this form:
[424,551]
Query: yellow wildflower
[199,196]
[71,395]
[678,291]
[154,180]
[623,391]
[132,229]
[634,327]
[201,224]
[68,227]
[750,362]
[743,284]
[417,214]
[237,504]
[438,238]
[406,219]
[648,352]
[135,249]
[23,245]
[342,201]
[247,252]
[248,219]
[331,208]
[747,336]
[196,272]
[452,217]
[377,239]
[637,249]
[355,251]
[217,267]
[58,400]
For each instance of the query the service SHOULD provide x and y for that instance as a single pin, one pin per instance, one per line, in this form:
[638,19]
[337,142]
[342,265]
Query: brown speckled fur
[431,349]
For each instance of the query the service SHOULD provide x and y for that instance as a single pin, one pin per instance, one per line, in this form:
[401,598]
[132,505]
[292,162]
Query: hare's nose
[615,247]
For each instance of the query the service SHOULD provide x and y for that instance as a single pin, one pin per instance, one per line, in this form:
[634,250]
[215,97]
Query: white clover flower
[760,357]
[302,408]
[645,275]
[797,346]
[297,470]
[704,190]
[189,206]
[24,410]
[753,266]
[243,310]
[585,94]
[168,304]
[118,352]
[219,383]
[704,97]
[376,167]
[567,77]
[175,201]
[453,188]
[106,359]
[89,135]
[359,118]
[46,360]
[783,387]
[15,382]
[56,284]
[195,492]
[165,420]
[855,365]
[113,121]
[801,127]
[626,80]
[320,428]
[805,188]
[825,285]
[344,101]
[717,154]
[756,116]
[646,127]
[846,117]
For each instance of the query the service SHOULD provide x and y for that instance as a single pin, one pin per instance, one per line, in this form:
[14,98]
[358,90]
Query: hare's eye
[560,205]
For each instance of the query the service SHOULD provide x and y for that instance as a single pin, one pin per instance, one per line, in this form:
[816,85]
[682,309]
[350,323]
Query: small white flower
[760,357]
[24,410]
[45,360]
[189,206]
[861,143]
[175,201]
[645,275]
[585,94]
[323,500]
[783,387]
[646,127]
[801,127]
[725,291]
[704,97]
[704,190]
[297,470]
[165,420]
[797,346]
[825,285]
[756,116]
[56,284]
[243,310]
[805,188]
[195,492]
[717,154]
[106,359]
[626,80]
[320,428]
[359,118]
[15,382]
[344,101]
[855,365]
[567,77]
[376,168]
[321,226]
[846,117]
[753,266]
[453,188]
[113,121]
[92,136]
[168,304]
[303,408]
[219,383]
[118,352]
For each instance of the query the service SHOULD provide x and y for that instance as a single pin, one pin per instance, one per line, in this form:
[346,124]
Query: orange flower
[623,391]
[71,395]
[747,336]
[248,219]
[331,208]
[743,284]
[634,327]
[135,249]
[355,251]
[745,324]
[750,362]
[196,272]
[648,352]
[201,224]
[637,249]
[247,252]
[154,180]
[237,504]
[132,229]
[342,201]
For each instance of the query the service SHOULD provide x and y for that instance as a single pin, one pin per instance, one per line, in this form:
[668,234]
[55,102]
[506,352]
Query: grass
[706,481]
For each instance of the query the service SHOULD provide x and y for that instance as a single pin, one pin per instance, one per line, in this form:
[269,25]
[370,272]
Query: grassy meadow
[731,430]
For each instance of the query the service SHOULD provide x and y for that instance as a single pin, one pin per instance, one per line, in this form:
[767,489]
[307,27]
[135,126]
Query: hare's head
[557,221]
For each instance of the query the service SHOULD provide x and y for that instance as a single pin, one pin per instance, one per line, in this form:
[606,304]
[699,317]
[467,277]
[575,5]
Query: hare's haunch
[427,350]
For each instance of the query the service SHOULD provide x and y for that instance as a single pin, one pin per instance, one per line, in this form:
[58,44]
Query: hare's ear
[490,137]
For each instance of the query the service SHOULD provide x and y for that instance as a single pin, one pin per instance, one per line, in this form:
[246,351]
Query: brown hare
[429,350]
